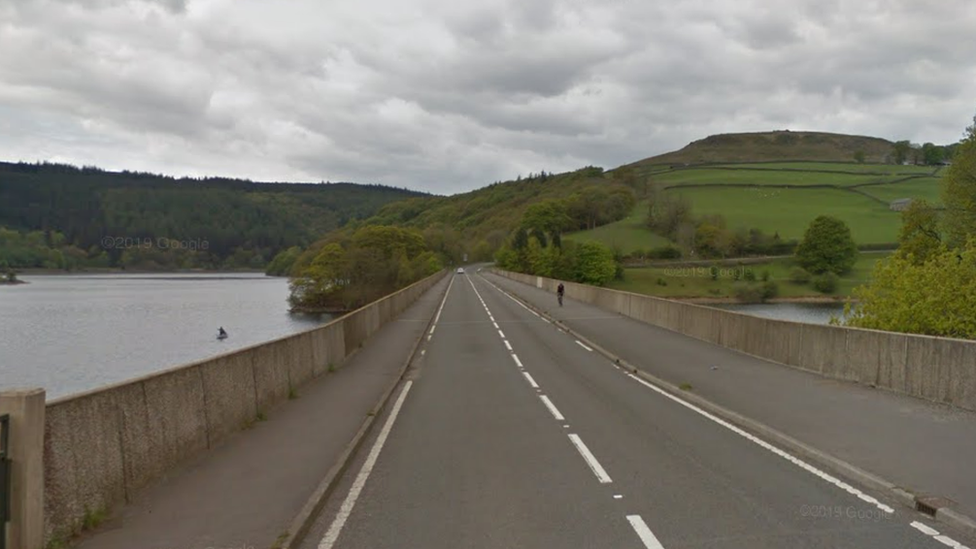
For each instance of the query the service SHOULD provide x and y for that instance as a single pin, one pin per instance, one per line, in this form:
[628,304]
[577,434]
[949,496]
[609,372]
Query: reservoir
[811,313]
[73,333]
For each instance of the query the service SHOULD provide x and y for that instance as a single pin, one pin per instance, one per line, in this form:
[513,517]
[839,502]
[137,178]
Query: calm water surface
[811,313]
[71,333]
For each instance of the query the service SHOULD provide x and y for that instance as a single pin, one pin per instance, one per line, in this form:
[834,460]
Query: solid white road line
[580,343]
[443,301]
[796,461]
[644,533]
[357,486]
[590,459]
[532,382]
[552,408]
[517,361]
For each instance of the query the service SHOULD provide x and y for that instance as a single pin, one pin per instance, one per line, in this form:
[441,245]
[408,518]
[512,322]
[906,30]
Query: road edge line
[945,515]
[309,513]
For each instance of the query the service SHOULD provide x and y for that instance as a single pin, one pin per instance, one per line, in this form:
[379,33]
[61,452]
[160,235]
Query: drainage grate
[931,504]
[923,507]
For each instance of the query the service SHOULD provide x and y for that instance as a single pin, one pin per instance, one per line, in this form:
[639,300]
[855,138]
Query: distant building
[900,205]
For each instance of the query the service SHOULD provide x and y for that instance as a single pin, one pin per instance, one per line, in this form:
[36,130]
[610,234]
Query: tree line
[928,286]
[126,219]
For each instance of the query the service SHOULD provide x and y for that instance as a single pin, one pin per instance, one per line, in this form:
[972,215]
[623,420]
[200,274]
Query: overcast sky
[447,95]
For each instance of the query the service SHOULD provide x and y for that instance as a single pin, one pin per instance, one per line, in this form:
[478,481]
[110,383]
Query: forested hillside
[480,221]
[61,216]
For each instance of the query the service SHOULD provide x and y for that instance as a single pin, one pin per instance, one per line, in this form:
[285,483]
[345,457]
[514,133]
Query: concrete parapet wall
[933,368]
[103,446]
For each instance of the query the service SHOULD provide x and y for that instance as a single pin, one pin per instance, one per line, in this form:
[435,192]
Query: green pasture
[928,188]
[697,281]
[790,211]
[713,176]
[629,234]
[786,211]
[886,169]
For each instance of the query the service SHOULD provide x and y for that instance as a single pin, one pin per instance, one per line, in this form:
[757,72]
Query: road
[509,433]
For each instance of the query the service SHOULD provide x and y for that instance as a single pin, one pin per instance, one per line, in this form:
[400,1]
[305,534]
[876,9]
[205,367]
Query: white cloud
[446,96]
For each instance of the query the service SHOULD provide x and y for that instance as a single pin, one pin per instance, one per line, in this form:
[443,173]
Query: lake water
[811,313]
[69,333]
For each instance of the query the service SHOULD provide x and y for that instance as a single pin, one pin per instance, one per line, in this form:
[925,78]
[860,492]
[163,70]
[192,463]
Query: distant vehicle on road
[460,270]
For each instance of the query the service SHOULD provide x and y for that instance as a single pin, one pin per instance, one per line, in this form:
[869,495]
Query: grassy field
[786,211]
[928,188]
[697,282]
[628,234]
[715,176]
[887,169]
[790,211]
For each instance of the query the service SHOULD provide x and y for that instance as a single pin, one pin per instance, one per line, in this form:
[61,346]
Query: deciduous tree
[959,190]
[827,245]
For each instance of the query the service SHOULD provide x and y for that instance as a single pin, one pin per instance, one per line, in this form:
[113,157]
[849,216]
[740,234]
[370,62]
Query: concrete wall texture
[102,447]
[933,368]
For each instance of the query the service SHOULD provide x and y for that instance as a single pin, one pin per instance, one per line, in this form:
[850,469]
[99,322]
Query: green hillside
[480,221]
[781,198]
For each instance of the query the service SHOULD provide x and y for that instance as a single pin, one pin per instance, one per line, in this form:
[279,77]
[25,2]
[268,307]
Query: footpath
[923,448]
[246,493]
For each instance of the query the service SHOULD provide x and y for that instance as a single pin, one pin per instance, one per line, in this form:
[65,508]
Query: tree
[936,298]
[932,154]
[548,217]
[282,263]
[708,240]
[959,190]
[859,157]
[900,151]
[667,213]
[594,263]
[919,236]
[827,245]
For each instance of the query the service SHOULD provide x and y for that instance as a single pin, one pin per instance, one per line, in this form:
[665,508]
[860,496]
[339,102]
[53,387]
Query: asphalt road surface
[509,433]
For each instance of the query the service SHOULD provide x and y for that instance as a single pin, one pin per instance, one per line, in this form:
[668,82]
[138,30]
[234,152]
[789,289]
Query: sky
[446,96]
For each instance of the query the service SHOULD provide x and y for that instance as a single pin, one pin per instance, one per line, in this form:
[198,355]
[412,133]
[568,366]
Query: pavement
[246,493]
[509,432]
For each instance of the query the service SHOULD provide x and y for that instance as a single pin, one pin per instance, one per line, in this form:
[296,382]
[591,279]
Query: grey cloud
[447,97]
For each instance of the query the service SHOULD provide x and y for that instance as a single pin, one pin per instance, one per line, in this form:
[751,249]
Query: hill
[778,198]
[58,216]
[774,146]
[478,222]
